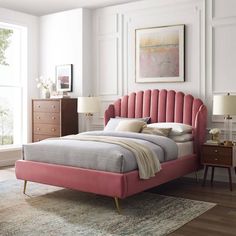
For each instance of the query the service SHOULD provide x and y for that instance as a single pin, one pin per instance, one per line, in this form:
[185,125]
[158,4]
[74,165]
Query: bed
[160,106]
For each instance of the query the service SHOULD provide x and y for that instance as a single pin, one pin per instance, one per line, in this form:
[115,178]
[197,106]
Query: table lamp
[225,105]
[88,106]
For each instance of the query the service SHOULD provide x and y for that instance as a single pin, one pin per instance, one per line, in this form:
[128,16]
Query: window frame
[21,84]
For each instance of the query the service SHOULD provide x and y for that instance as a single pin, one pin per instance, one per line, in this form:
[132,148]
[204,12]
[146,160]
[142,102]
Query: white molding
[8,161]
[110,38]
[111,35]
[101,26]
[220,175]
[224,21]
[198,20]
[213,27]
[129,16]
[217,18]
[9,157]
[202,51]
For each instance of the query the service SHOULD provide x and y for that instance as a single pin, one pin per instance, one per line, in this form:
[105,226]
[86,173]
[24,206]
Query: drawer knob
[215,150]
[53,129]
[38,117]
[38,128]
[53,106]
[38,139]
[53,117]
[38,106]
[216,159]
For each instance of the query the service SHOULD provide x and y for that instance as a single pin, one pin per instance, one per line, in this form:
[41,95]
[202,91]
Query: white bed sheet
[185,148]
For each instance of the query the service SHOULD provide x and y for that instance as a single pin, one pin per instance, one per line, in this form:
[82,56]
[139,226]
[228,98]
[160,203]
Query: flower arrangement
[214,131]
[215,135]
[44,83]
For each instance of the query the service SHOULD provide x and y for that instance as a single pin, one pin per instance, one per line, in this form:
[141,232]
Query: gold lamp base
[228,143]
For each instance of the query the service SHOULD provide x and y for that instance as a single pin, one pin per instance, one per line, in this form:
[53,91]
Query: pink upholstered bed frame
[161,106]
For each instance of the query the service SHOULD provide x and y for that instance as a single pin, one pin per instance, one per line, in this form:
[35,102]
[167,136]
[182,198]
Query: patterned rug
[50,210]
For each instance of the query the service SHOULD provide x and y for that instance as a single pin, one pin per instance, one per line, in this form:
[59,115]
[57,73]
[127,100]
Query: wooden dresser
[54,118]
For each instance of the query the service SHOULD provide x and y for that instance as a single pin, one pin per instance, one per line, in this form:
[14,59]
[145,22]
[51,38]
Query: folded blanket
[148,164]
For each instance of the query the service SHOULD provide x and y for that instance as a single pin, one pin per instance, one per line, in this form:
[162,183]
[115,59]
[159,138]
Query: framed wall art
[64,77]
[159,54]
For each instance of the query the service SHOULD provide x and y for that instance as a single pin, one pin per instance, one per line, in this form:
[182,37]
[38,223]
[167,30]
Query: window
[12,61]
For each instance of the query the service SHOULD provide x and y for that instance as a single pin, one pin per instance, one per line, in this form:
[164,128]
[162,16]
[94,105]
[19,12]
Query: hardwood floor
[219,221]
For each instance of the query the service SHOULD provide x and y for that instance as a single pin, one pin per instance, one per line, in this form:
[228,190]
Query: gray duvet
[98,155]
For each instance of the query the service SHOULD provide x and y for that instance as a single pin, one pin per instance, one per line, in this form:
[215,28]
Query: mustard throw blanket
[148,163]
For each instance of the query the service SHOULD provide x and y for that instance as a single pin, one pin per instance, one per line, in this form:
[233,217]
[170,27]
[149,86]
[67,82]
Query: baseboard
[8,158]
[221,175]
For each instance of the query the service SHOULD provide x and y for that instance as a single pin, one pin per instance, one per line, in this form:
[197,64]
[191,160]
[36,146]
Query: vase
[45,94]
[216,138]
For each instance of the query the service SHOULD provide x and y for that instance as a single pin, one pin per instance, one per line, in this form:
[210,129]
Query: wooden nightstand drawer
[217,155]
[46,106]
[217,151]
[217,160]
[46,118]
[53,130]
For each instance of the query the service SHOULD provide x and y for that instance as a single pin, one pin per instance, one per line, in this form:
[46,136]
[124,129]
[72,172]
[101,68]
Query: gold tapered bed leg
[117,204]
[25,183]
[196,176]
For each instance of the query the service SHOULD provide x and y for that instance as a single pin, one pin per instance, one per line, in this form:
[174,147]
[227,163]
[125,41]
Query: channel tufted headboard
[163,106]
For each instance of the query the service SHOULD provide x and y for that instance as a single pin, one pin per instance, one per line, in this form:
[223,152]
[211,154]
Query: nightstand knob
[53,129]
[38,106]
[53,106]
[38,128]
[53,117]
[215,150]
[38,117]
[216,159]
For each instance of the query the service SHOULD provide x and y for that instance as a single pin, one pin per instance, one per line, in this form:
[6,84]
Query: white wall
[65,39]
[32,25]
[209,57]
[114,46]
[221,58]
[221,52]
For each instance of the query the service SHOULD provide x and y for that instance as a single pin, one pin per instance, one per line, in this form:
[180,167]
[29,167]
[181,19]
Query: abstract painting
[64,76]
[160,54]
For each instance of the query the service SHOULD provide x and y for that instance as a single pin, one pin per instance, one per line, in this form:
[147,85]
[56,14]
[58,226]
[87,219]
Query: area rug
[47,210]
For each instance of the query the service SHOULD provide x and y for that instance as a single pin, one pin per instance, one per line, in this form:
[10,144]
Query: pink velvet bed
[161,106]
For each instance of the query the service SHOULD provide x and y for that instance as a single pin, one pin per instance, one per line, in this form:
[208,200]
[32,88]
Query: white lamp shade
[88,104]
[224,105]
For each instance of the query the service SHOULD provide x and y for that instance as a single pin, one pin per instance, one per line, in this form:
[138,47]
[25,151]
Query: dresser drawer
[47,129]
[46,106]
[39,137]
[46,118]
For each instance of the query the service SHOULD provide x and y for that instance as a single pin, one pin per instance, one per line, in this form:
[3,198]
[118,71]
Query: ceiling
[43,7]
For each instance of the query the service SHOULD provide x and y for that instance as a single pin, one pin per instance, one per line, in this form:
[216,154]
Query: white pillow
[182,138]
[114,122]
[156,131]
[130,126]
[177,128]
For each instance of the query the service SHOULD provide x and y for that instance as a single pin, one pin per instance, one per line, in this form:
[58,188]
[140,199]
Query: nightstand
[218,156]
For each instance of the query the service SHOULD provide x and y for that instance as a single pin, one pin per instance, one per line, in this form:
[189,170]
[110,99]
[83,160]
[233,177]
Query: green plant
[6,126]
[5,35]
